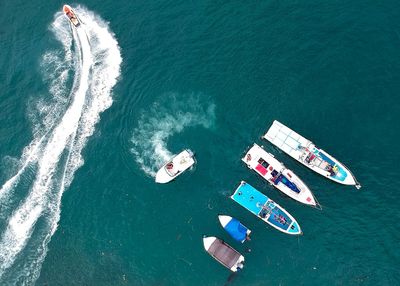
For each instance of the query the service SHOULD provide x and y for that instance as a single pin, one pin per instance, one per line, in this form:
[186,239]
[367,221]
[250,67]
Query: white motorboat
[175,167]
[305,151]
[275,173]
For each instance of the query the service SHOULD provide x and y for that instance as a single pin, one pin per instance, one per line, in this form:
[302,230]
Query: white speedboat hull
[175,167]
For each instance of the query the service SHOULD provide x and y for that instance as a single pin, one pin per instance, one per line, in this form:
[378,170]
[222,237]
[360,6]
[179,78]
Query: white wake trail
[30,156]
[172,115]
[21,223]
[57,72]
[96,74]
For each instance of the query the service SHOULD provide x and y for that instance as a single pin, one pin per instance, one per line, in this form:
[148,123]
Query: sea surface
[88,115]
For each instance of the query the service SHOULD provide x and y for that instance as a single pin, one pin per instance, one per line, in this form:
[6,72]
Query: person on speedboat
[332,170]
[281,219]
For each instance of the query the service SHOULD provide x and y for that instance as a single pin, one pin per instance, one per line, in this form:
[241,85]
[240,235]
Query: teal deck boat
[265,209]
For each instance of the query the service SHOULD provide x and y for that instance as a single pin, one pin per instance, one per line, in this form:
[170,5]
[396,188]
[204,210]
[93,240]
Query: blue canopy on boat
[237,230]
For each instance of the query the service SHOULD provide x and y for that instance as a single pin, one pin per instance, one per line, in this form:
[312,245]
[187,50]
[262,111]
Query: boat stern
[238,265]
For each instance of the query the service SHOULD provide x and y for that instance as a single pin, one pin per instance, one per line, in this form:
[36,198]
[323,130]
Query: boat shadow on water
[231,278]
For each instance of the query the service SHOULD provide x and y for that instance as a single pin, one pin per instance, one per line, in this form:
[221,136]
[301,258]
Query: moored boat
[305,151]
[175,167]
[223,253]
[275,173]
[71,15]
[235,228]
[265,209]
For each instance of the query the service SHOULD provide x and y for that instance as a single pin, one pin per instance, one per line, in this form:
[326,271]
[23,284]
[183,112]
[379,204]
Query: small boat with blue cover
[265,209]
[275,173]
[235,228]
[305,151]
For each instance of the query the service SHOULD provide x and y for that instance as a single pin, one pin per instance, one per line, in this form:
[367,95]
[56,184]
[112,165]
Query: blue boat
[265,209]
[235,229]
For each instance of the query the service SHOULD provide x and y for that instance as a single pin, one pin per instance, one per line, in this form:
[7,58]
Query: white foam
[91,94]
[163,120]
[44,112]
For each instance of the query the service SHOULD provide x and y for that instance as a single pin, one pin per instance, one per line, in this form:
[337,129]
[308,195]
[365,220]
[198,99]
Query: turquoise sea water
[87,117]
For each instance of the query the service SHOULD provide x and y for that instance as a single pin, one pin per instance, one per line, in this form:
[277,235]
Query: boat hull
[71,15]
[305,152]
[276,174]
[265,209]
[175,167]
[235,228]
[223,253]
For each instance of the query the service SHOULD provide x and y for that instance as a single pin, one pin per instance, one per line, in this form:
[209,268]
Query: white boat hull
[175,167]
[305,152]
[275,173]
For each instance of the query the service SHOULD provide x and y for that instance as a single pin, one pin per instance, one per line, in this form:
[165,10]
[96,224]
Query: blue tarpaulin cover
[236,230]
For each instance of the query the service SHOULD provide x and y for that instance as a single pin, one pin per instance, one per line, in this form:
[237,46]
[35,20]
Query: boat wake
[89,63]
[162,121]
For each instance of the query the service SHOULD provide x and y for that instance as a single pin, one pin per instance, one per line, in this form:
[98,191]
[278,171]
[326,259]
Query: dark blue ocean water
[88,116]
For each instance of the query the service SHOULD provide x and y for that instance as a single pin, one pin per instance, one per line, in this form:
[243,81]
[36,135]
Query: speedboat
[235,228]
[305,151]
[265,209]
[275,173]
[223,253]
[175,167]
[71,15]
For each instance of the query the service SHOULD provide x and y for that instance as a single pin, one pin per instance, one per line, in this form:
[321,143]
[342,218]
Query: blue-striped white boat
[304,151]
[265,209]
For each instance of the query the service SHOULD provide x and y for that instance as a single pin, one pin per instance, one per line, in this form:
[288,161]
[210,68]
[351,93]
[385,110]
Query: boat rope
[318,206]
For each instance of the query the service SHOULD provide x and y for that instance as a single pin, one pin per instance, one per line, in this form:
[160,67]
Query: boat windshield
[265,210]
[263,163]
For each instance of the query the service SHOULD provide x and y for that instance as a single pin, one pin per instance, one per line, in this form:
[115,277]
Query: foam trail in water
[164,120]
[91,94]
[56,69]
[21,223]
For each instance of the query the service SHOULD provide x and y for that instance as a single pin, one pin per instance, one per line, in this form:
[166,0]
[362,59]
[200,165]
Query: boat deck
[226,255]
[304,151]
[275,173]
[253,201]
[265,209]
[286,139]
